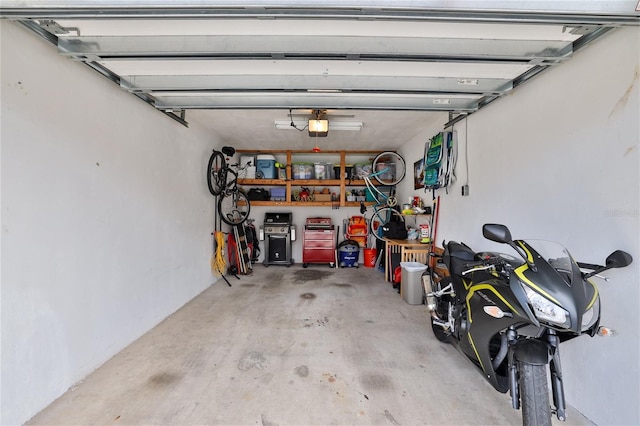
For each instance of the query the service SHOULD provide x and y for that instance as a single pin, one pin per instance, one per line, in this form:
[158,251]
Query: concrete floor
[290,346]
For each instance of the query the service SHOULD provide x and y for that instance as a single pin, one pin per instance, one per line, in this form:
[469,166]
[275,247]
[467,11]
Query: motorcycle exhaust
[430,297]
[431,301]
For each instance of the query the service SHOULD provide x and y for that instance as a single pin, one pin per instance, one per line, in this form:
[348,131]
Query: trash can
[348,253]
[411,288]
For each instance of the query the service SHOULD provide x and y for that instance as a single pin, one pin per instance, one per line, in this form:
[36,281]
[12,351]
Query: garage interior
[110,112]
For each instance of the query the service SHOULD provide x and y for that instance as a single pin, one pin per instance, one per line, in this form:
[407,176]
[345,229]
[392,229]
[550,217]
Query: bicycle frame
[382,209]
[381,199]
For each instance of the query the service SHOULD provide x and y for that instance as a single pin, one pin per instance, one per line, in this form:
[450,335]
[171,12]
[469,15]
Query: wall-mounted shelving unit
[338,186]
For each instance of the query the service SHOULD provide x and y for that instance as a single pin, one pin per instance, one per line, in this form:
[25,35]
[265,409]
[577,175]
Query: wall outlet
[465,190]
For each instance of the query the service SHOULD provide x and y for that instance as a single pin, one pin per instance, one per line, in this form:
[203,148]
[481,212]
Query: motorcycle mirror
[618,259]
[496,232]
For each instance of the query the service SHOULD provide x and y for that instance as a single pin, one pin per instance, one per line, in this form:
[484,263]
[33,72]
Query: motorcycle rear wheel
[534,394]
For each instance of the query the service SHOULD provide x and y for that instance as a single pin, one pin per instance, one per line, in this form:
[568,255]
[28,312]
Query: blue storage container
[266,167]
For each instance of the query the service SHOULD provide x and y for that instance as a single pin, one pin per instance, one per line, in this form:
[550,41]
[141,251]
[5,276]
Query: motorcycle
[508,315]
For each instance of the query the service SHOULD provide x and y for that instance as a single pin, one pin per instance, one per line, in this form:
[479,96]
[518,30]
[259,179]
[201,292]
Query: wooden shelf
[262,182]
[360,182]
[315,182]
[271,203]
[293,182]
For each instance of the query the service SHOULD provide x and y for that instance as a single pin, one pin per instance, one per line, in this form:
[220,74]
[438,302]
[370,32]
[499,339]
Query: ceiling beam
[334,83]
[300,46]
[621,12]
[287,100]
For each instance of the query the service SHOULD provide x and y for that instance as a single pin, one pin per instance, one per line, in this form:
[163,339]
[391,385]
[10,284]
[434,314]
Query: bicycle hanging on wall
[233,204]
[387,169]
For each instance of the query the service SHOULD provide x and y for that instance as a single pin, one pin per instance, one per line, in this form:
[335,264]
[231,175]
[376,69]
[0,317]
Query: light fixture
[289,124]
[345,125]
[318,127]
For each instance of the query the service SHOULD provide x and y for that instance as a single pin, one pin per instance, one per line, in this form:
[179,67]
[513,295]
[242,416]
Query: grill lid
[278,218]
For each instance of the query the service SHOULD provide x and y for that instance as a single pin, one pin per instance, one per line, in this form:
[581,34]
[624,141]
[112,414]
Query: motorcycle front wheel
[534,394]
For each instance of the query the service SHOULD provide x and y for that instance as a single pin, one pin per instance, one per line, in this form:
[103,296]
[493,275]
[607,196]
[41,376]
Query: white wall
[105,221]
[558,160]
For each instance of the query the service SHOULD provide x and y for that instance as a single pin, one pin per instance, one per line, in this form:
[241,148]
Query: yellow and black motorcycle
[509,314]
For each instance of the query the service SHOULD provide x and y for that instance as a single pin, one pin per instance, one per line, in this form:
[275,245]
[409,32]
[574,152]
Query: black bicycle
[233,204]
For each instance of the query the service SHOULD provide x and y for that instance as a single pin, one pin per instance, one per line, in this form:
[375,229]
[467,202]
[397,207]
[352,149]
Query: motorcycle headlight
[545,310]
[591,315]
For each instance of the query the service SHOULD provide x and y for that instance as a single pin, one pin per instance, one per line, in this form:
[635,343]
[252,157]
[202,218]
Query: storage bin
[248,164]
[411,288]
[302,170]
[388,171]
[319,171]
[336,171]
[348,171]
[328,169]
[362,169]
[266,166]
[278,194]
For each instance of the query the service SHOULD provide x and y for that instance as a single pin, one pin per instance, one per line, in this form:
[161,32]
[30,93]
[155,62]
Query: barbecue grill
[278,232]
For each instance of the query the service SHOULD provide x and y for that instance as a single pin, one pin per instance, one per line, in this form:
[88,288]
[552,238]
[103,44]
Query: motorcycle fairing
[482,327]
[569,292]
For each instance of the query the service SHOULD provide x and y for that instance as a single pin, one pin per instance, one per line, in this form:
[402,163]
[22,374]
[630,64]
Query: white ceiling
[250,129]
[396,66]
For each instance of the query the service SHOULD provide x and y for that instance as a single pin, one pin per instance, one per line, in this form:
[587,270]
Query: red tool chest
[318,242]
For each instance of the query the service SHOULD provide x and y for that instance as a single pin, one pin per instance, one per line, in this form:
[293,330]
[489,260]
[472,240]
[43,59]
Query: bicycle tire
[380,218]
[234,207]
[216,173]
[394,165]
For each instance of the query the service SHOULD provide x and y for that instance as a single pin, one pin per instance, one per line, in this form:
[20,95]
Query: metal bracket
[54,28]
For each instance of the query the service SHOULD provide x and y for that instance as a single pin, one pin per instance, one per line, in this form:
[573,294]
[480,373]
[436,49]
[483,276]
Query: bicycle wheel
[216,173]
[380,218]
[388,168]
[234,207]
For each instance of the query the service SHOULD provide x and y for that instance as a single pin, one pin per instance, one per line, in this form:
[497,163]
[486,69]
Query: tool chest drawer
[318,244]
[314,234]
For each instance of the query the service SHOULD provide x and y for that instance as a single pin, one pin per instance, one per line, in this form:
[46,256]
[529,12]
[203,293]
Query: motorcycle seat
[458,256]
